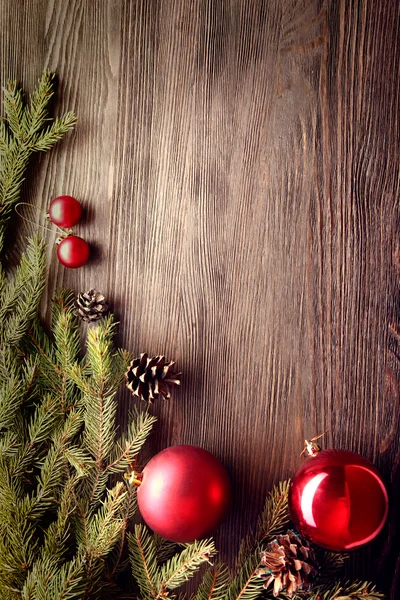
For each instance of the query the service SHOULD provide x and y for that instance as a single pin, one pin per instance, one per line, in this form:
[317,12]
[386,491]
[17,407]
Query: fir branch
[20,299]
[356,590]
[37,343]
[55,132]
[24,137]
[330,563]
[14,108]
[105,525]
[143,557]
[178,569]
[214,584]
[67,344]
[57,536]
[273,520]
[130,443]
[275,517]
[35,115]
[247,585]
[116,563]
[53,467]
[164,548]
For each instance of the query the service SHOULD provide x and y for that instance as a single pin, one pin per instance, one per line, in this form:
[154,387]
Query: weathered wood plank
[239,166]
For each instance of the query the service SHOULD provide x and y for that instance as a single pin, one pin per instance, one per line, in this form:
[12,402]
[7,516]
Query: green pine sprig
[24,130]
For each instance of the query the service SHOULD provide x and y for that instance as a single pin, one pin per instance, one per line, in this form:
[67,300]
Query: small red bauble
[73,252]
[184,493]
[65,211]
[338,500]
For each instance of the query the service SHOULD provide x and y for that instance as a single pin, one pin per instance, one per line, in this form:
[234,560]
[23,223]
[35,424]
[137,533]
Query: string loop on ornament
[61,231]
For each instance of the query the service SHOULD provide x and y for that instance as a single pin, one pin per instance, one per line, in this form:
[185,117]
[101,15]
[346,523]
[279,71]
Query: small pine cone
[91,306]
[147,378]
[289,563]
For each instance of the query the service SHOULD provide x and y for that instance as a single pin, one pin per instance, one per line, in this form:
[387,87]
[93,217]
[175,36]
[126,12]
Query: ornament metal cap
[311,448]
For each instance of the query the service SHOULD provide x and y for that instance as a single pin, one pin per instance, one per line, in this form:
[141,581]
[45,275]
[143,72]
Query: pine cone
[91,306]
[147,378]
[289,563]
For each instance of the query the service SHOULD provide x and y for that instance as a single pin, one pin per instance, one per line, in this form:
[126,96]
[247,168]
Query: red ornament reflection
[338,500]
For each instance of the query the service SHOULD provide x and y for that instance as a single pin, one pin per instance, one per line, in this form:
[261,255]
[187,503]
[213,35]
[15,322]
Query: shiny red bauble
[184,493]
[73,252]
[338,500]
[65,211]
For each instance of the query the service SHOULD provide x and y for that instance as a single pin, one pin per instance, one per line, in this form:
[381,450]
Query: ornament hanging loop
[62,232]
[311,448]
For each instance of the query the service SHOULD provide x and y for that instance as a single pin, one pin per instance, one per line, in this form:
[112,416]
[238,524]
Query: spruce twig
[214,584]
[178,569]
[22,133]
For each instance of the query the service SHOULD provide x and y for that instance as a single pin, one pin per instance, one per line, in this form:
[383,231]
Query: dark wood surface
[239,166]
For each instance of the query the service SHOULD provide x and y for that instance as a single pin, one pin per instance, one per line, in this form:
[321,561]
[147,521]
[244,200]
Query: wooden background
[239,165]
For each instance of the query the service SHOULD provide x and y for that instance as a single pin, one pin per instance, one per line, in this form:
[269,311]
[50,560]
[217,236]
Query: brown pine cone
[147,378]
[289,563]
[91,306]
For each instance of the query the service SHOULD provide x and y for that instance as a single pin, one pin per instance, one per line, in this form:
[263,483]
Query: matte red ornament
[337,499]
[65,211]
[184,493]
[73,252]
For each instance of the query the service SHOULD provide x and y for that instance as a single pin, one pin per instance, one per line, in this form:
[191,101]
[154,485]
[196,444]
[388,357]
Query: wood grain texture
[239,165]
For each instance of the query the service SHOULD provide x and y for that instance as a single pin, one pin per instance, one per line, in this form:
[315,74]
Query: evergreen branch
[35,115]
[44,419]
[11,398]
[129,444]
[330,563]
[23,294]
[55,133]
[102,529]
[58,534]
[247,585]
[105,525]
[273,520]
[52,471]
[23,138]
[14,108]
[4,137]
[178,569]
[80,460]
[143,557]
[356,590]
[214,584]
[275,517]
[69,582]
[164,548]
[130,510]
[67,343]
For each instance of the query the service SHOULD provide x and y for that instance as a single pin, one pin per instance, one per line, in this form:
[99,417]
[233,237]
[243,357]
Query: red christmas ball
[65,211]
[338,500]
[184,493]
[73,252]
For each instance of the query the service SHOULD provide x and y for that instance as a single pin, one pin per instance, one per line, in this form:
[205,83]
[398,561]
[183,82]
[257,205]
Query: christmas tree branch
[144,565]
[130,443]
[214,584]
[22,134]
[275,517]
[246,585]
[178,569]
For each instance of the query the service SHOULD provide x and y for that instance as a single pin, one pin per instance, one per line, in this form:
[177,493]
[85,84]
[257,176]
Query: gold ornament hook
[311,448]
[134,478]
